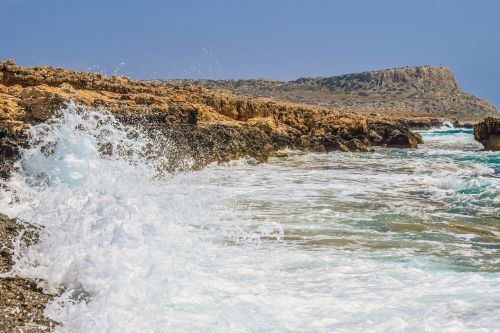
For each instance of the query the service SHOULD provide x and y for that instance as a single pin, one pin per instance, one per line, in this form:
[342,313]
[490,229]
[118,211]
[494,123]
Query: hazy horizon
[278,40]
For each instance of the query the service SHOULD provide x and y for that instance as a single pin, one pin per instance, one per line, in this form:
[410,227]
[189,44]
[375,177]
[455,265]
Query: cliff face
[423,77]
[203,124]
[407,91]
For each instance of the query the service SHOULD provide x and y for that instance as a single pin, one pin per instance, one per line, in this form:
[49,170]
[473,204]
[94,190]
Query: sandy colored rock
[202,124]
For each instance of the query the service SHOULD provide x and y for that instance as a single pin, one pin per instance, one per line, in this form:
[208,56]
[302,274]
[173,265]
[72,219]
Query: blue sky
[276,39]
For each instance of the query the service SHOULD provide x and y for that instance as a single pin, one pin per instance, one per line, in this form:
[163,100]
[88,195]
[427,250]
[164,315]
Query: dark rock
[10,143]
[488,133]
[358,145]
[394,135]
[22,302]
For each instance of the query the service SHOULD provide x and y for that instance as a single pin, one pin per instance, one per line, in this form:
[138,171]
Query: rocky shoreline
[202,124]
[205,125]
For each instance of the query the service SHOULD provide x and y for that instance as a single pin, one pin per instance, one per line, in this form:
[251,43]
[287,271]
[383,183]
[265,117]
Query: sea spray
[388,241]
[114,236]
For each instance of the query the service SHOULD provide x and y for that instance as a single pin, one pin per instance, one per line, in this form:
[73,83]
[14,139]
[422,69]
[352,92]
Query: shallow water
[391,241]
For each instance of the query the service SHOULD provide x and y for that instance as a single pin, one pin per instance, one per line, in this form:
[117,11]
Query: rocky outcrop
[401,137]
[22,302]
[488,133]
[204,124]
[407,92]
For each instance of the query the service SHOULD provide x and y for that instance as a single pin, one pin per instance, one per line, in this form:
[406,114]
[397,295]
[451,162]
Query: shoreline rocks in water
[487,132]
[22,302]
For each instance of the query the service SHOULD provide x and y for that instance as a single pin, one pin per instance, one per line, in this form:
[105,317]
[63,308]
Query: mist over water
[390,241]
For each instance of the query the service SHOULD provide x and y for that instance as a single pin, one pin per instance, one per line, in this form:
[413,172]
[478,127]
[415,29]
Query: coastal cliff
[398,92]
[203,124]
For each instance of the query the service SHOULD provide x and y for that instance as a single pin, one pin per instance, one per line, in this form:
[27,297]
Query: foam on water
[394,241]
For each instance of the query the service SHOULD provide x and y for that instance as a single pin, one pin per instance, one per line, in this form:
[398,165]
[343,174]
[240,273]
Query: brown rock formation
[205,124]
[423,90]
[488,133]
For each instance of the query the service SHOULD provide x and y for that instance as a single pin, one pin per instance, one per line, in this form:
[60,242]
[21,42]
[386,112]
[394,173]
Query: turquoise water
[390,241]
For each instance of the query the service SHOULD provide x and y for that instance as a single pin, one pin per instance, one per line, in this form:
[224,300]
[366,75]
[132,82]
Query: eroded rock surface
[204,124]
[488,133]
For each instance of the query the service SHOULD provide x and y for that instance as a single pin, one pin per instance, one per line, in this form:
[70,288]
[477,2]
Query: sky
[275,39]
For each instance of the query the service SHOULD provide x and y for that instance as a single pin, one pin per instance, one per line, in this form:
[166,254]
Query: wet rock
[488,133]
[358,145]
[395,135]
[375,137]
[10,143]
[40,104]
[22,302]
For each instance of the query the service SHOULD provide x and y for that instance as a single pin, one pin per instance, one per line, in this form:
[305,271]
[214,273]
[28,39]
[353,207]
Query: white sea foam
[448,124]
[296,245]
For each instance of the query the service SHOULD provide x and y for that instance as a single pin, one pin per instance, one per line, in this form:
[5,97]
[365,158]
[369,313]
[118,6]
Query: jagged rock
[41,103]
[488,133]
[394,136]
[358,145]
